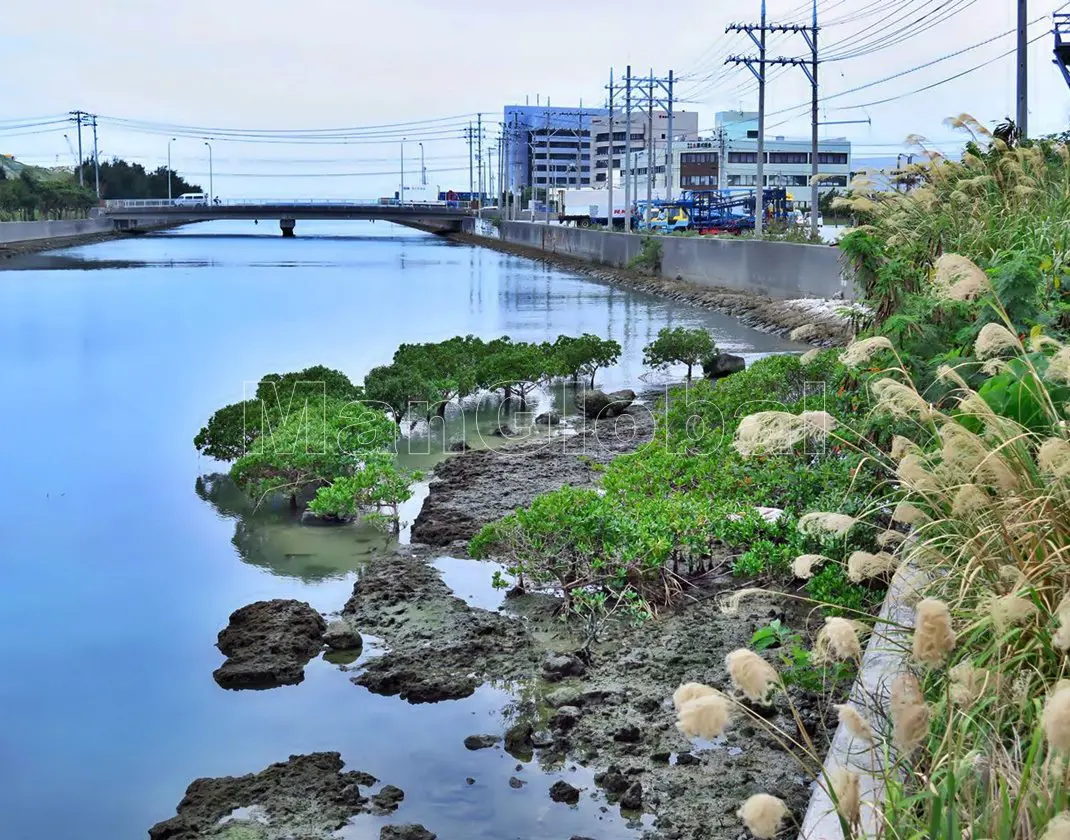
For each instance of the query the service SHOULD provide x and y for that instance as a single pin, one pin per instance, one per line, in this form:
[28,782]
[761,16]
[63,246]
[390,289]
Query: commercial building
[548,146]
[729,160]
[635,137]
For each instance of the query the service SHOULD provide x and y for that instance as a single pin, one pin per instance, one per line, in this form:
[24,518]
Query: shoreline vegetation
[733,564]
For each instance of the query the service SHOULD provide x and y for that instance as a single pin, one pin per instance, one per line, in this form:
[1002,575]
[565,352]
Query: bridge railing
[129,203]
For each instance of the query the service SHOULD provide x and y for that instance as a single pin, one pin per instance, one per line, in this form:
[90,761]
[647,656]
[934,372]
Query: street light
[169,142]
[211,185]
[423,169]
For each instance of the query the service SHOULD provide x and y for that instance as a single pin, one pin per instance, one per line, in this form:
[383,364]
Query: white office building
[636,138]
[729,160]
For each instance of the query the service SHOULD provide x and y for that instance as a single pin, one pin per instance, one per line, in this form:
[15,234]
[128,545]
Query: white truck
[590,207]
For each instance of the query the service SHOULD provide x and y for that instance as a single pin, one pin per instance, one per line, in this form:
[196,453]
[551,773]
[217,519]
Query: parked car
[191,200]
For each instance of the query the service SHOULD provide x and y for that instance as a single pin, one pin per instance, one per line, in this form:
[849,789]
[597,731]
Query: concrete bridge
[131,214]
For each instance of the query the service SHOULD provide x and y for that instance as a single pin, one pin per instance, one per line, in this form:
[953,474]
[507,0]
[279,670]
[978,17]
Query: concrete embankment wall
[779,270]
[17,232]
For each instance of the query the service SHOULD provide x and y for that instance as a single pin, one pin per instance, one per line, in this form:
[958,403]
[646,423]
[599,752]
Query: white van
[192,200]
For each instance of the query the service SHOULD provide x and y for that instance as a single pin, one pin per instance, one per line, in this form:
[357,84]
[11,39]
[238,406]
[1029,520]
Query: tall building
[548,146]
[729,160]
[634,137]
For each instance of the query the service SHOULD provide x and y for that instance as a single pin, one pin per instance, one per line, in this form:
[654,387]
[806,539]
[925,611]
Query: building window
[698,181]
[600,177]
[743,180]
[742,157]
[789,157]
[698,157]
[835,158]
[602,137]
[638,136]
[834,181]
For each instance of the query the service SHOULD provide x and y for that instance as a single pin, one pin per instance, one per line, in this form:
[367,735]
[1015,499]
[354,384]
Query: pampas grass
[862,565]
[846,793]
[934,639]
[803,565]
[837,641]
[751,674]
[1008,611]
[705,716]
[1058,828]
[1056,718]
[957,278]
[690,691]
[910,714]
[860,352]
[835,524]
[762,815]
[995,340]
[967,684]
[857,725]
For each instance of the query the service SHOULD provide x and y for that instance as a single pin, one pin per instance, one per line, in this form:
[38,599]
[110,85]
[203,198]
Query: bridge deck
[143,209]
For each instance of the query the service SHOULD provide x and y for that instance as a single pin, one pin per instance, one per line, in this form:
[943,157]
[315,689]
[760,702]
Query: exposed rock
[308,517]
[459,446]
[559,666]
[629,734]
[548,418]
[565,718]
[408,831]
[440,647]
[720,365]
[542,739]
[503,431]
[686,759]
[518,738]
[612,780]
[342,635]
[310,794]
[515,783]
[562,791]
[268,643]
[387,800]
[566,695]
[481,742]
[474,488]
[632,800]
[599,405]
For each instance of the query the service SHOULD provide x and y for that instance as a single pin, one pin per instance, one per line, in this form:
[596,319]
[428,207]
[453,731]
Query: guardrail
[128,203]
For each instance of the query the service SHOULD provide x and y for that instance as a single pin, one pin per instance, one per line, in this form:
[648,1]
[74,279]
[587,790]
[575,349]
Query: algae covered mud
[126,557]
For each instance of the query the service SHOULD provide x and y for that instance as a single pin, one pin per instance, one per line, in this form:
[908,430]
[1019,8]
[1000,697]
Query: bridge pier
[287,226]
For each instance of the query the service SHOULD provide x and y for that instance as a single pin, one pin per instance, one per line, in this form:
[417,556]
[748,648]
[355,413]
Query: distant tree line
[26,197]
[37,194]
[119,179]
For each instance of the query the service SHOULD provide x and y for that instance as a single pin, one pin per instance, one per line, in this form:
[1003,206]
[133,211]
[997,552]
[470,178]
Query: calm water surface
[122,562]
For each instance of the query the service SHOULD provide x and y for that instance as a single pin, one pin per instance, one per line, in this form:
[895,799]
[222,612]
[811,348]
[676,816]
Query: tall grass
[975,737]
[995,205]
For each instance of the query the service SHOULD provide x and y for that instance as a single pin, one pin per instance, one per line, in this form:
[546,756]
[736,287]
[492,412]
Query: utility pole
[479,156]
[211,174]
[609,171]
[1023,71]
[650,167]
[759,205]
[401,189]
[471,182]
[423,169]
[96,157]
[77,115]
[668,148]
[759,74]
[815,187]
[628,150]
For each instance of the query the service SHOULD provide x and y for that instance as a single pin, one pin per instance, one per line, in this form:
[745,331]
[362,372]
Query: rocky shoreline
[812,321]
[606,706]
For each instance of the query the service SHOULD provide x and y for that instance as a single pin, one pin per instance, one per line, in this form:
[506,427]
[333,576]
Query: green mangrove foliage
[689,501]
[679,345]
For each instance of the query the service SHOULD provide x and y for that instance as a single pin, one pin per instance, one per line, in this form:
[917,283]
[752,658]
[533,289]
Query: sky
[200,70]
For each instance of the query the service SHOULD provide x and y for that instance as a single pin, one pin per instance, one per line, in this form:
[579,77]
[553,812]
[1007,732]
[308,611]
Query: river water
[122,563]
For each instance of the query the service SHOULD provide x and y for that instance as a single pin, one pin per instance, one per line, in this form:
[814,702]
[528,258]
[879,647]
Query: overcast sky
[313,64]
